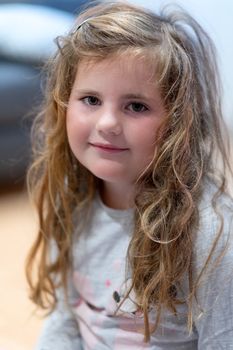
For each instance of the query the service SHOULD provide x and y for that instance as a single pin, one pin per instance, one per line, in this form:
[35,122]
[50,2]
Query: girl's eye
[137,107]
[91,100]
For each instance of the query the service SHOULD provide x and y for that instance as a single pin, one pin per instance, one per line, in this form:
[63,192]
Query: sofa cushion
[20,92]
[27,31]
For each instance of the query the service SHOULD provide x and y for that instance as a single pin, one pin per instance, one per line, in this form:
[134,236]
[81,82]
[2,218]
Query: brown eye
[137,107]
[91,100]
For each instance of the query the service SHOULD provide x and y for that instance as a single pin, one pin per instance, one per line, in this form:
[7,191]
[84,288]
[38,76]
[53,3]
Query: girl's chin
[110,175]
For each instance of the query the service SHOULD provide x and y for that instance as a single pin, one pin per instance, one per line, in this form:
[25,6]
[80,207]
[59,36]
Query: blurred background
[27,30]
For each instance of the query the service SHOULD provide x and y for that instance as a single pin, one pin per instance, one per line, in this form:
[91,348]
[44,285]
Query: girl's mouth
[109,148]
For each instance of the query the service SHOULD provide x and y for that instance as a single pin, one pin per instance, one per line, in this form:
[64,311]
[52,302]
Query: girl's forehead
[124,64]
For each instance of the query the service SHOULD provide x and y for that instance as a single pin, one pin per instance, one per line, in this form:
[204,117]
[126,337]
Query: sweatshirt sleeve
[60,330]
[213,308]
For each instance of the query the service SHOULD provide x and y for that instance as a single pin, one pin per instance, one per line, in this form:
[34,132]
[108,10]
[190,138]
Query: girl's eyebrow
[86,92]
[137,96]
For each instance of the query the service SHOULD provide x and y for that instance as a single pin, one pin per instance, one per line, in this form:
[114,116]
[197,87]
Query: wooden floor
[19,326]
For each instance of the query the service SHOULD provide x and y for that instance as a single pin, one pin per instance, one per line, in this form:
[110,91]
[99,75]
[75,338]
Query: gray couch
[20,92]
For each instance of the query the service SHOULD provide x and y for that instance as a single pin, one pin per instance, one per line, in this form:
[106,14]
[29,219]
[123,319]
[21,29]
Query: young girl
[134,249]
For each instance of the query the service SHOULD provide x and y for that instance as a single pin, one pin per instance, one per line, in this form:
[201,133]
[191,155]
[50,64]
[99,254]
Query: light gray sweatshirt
[98,282]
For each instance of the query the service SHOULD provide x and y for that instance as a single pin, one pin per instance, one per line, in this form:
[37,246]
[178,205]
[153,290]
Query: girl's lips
[108,147]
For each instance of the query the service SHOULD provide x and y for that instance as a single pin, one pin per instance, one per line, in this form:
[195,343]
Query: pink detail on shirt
[108,283]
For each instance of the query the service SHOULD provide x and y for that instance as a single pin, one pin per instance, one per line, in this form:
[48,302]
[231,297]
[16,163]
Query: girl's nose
[109,123]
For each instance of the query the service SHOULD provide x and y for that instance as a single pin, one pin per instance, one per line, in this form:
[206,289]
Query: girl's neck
[117,196]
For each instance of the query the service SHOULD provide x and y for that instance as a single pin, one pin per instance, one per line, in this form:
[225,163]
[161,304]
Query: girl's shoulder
[213,236]
[214,208]
[224,201]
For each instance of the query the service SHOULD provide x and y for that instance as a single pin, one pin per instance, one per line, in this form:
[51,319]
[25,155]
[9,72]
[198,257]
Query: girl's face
[113,114]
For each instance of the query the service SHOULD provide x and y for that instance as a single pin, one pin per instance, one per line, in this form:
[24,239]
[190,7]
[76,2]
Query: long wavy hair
[169,190]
